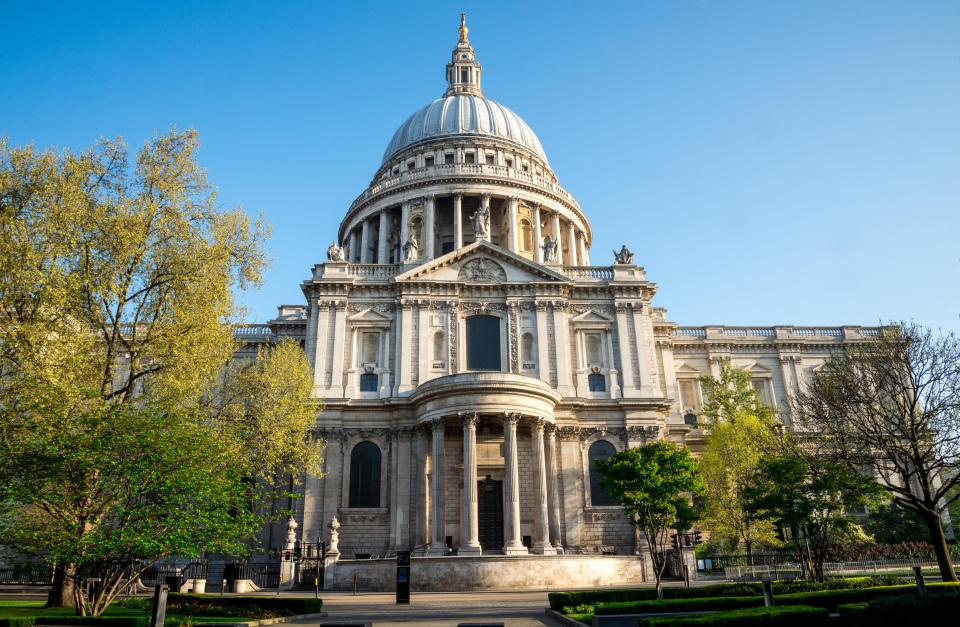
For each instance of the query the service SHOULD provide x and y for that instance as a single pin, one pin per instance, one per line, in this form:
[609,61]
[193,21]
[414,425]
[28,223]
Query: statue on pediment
[411,249]
[481,223]
[549,250]
[334,252]
[624,257]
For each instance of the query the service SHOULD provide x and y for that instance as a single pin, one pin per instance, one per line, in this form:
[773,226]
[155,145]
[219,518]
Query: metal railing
[29,574]
[789,570]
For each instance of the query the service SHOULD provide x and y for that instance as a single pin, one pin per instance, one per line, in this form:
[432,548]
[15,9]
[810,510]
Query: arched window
[601,449]
[526,347]
[439,349]
[365,475]
[483,343]
[597,382]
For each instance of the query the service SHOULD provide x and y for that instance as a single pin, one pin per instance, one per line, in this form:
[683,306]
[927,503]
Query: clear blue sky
[770,162]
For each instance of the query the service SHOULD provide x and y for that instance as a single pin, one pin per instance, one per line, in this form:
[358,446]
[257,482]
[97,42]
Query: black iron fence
[263,574]
[28,574]
[719,562]
[159,573]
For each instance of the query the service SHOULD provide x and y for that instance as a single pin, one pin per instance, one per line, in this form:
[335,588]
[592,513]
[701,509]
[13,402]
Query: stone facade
[461,330]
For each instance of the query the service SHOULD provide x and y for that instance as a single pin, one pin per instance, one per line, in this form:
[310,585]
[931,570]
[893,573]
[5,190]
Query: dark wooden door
[490,515]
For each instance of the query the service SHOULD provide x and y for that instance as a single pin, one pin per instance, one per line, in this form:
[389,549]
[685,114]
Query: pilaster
[537,235]
[429,228]
[457,221]
[339,310]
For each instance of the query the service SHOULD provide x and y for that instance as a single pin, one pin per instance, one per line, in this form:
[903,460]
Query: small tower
[463,71]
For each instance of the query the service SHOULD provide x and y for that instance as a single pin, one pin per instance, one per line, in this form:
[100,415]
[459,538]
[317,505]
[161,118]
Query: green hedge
[212,605]
[677,605]
[561,600]
[902,609]
[828,599]
[25,621]
[126,621]
[789,616]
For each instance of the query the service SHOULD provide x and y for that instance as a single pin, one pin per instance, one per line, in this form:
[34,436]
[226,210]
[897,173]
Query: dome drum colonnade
[447,166]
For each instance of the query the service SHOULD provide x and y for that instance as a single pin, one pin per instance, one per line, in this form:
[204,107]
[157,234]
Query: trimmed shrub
[828,599]
[790,616]
[211,605]
[561,600]
[90,621]
[677,605]
[902,609]
[21,621]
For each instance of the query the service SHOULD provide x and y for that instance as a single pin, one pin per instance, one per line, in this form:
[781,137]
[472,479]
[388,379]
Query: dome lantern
[463,71]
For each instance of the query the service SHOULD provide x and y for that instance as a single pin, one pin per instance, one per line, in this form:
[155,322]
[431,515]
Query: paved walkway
[513,609]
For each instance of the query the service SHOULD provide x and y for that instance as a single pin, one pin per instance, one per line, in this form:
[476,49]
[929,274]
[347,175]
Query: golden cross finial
[463,27]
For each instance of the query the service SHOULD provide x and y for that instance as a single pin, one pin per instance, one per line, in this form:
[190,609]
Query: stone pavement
[513,609]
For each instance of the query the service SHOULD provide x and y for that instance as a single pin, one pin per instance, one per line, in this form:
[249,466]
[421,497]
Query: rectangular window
[469,157]
[428,161]
[762,388]
[448,157]
[368,382]
[490,159]
[464,75]
[689,394]
[483,343]
[509,162]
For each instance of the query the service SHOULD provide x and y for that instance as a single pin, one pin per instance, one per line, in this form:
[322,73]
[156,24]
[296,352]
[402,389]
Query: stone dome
[464,114]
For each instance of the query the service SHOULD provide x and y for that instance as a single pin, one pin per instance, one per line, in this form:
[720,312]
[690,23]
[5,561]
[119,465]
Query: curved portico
[495,401]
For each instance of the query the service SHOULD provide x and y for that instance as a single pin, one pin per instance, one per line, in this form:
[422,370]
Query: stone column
[400,512]
[626,360]
[404,227]
[457,221]
[553,501]
[584,259]
[382,243]
[339,309]
[354,253]
[428,226]
[513,544]
[469,529]
[438,542]
[365,242]
[404,347]
[422,536]
[572,238]
[537,235]
[512,242]
[541,521]
[556,238]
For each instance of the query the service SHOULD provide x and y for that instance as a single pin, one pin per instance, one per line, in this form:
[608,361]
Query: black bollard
[918,575]
[767,593]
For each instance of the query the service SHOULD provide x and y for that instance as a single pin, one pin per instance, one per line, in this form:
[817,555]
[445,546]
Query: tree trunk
[61,589]
[939,542]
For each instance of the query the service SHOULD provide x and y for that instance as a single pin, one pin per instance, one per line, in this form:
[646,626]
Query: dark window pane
[597,383]
[368,382]
[601,449]
[483,343]
[691,420]
[365,475]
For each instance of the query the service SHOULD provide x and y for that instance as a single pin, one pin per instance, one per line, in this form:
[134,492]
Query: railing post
[918,575]
[767,593]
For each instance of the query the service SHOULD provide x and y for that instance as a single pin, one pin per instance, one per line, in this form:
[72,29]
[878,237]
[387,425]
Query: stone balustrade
[467,169]
[849,333]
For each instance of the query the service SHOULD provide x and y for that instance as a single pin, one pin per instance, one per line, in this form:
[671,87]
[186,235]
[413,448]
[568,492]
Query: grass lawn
[24,609]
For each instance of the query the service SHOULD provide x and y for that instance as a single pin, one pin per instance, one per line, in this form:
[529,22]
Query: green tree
[810,497]
[654,484]
[740,427]
[890,524]
[116,310]
[892,407]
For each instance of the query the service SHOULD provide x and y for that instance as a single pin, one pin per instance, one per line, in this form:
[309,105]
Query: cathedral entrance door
[490,514]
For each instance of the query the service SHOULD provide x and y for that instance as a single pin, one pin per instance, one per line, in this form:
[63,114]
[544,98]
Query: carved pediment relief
[482,270]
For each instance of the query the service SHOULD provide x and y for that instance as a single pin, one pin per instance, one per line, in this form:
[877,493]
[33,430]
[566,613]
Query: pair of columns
[546,531]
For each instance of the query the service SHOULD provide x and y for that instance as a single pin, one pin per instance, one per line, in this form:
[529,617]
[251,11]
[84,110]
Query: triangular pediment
[591,316]
[482,263]
[369,315]
[687,369]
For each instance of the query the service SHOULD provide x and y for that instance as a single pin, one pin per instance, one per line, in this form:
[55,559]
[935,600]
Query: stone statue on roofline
[481,223]
[411,249]
[624,257]
[549,250]
[334,252]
